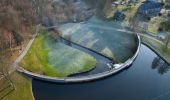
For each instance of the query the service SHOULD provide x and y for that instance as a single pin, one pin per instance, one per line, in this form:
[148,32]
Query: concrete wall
[84,78]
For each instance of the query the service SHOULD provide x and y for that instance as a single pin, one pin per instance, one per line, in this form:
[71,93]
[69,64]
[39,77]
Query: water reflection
[160,65]
[139,82]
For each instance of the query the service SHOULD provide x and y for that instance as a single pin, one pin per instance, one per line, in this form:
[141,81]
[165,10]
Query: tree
[134,23]
[167,40]
[17,19]
[41,8]
[165,26]
[103,8]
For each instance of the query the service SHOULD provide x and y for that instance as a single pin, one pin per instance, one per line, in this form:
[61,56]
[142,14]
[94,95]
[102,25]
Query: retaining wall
[84,78]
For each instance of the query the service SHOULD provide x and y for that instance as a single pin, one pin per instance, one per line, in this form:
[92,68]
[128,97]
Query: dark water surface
[147,79]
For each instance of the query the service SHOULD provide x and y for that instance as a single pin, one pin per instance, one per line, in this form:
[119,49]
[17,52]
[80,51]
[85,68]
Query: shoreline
[156,52]
[83,78]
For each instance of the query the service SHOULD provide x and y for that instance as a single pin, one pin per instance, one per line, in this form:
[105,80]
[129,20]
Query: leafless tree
[167,40]
[17,20]
[134,23]
[164,26]
[42,7]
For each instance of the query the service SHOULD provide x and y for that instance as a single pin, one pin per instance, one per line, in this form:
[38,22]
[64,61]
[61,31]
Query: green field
[48,57]
[22,88]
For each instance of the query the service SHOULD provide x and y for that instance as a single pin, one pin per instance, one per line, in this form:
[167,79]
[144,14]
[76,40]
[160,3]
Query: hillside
[17,24]
[17,21]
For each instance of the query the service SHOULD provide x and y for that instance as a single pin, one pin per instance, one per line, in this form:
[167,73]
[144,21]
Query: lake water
[146,79]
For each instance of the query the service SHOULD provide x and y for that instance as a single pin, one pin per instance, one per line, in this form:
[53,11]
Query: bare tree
[165,26]
[134,23]
[167,40]
[103,7]
[17,20]
[41,7]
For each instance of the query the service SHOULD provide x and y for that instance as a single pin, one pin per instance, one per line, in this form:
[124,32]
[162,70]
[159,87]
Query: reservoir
[147,79]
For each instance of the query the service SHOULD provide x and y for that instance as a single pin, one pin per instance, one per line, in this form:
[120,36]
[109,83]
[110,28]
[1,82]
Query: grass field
[22,91]
[21,88]
[48,57]
[103,37]
[158,47]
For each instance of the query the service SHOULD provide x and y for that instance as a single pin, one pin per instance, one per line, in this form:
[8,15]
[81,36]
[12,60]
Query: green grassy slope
[51,58]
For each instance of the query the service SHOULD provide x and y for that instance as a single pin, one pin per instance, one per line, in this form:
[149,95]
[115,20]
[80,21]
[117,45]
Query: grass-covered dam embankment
[51,58]
[81,51]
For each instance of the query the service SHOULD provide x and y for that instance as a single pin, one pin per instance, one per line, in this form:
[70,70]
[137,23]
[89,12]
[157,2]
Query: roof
[148,5]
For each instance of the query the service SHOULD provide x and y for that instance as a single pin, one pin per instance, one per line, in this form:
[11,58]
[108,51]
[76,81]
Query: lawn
[49,57]
[23,88]
[105,37]
[158,47]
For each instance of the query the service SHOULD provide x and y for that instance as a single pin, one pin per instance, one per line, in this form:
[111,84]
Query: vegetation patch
[158,47]
[49,57]
[101,36]
[22,88]
[14,86]
[154,24]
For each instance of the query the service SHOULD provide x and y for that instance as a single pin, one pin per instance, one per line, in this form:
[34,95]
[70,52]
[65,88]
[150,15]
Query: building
[150,8]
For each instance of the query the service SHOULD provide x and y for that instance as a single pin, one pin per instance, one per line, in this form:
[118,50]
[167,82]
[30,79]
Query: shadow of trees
[160,65]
